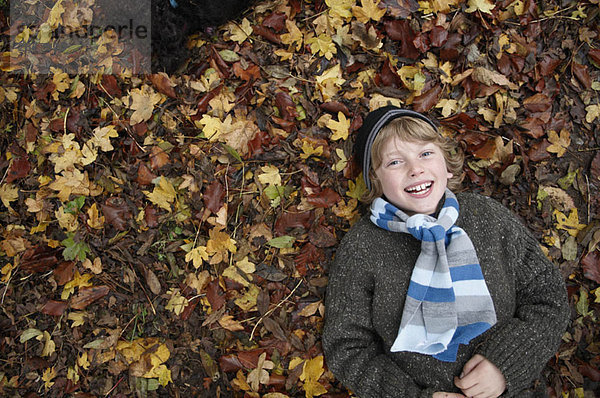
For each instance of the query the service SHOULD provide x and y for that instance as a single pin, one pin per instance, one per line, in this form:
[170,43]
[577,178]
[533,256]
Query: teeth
[419,188]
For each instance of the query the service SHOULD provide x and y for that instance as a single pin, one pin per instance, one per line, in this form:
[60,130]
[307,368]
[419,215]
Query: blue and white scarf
[448,302]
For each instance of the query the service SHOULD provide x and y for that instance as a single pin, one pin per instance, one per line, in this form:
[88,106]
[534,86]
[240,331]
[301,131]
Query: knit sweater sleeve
[352,348]
[521,347]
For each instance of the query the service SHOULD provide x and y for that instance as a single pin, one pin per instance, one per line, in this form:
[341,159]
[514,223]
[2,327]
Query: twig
[115,386]
[273,309]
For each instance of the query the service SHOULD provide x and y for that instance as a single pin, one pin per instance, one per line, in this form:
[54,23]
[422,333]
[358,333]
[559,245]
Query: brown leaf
[217,62]
[538,151]
[401,31]
[595,169]
[450,50]
[213,196]
[548,65]
[267,34]
[286,106]
[275,21]
[87,296]
[427,100]
[116,212]
[438,35]
[214,295]
[591,266]
[110,85]
[594,54]
[388,76]
[251,73]
[290,219]
[54,308]
[158,158]
[150,216]
[64,272]
[19,168]
[151,280]
[537,103]
[40,259]
[163,83]
[321,236]
[582,74]
[334,107]
[326,198]
[144,175]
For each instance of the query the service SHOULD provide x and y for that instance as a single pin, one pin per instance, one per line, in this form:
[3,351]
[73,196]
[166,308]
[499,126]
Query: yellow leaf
[61,82]
[270,175]
[480,5]
[248,301]
[142,102]
[322,45]
[82,360]
[559,143]
[197,256]
[78,318]
[240,32]
[340,128]
[593,112]
[47,377]
[102,136]
[341,164]
[219,241]
[343,210]
[163,194]
[259,375]
[340,8]
[309,150]
[413,78]
[368,11]
[311,372]
[49,346]
[8,193]
[177,302]
[357,189]
[294,37]
[78,281]
[95,267]
[227,322]
[211,127]
[95,221]
[569,224]
[54,18]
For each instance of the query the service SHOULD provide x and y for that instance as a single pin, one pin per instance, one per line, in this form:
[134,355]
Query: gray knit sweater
[367,288]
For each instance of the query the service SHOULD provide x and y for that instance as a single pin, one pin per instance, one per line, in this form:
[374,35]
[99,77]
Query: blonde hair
[411,129]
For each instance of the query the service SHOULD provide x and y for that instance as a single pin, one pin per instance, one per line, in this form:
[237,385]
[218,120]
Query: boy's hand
[447,395]
[481,379]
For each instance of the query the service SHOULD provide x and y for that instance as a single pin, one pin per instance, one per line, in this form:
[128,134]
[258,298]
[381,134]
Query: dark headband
[372,125]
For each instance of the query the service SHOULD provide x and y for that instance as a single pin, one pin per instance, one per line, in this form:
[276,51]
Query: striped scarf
[447,302]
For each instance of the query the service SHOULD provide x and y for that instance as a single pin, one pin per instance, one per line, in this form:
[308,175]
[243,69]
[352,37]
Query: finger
[471,364]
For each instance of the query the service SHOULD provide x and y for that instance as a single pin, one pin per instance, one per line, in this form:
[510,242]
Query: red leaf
[309,254]
[548,64]
[401,31]
[335,107]
[286,106]
[218,63]
[450,50]
[421,42]
[203,103]
[321,236]
[40,258]
[214,295]
[163,84]
[54,308]
[158,158]
[213,196]
[275,21]
[251,73]
[326,198]
[116,212]
[292,219]
[150,216]
[427,100]
[144,175]
[267,34]
[594,54]
[439,36]
[64,272]
[582,74]
[388,75]
[110,85]
[19,168]
[538,151]
[537,103]
[87,296]
[590,372]
[591,266]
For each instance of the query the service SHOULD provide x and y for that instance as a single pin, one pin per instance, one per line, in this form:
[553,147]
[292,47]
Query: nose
[415,169]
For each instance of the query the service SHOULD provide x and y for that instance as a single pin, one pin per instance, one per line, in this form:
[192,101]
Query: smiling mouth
[419,189]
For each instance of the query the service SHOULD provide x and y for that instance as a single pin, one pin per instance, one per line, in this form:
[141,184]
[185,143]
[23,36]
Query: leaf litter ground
[170,234]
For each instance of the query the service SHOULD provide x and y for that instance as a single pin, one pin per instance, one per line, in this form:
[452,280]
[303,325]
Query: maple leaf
[8,193]
[270,175]
[309,150]
[259,375]
[49,345]
[220,241]
[248,301]
[47,377]
[340,128]
[233,271]
[340,8]
[311,372]
[240,32]
[322,45]
[163,194]
[570,224]
[560,143]
[197,256]
[78,318]
[341,164]
[357,189]
[67,221]
[94,220]
[480,5]
[79,281]
[294,37]
[177,302]
[102,136]
[61,82]
[592,112]
[143,101]
[369,10]
[211,126]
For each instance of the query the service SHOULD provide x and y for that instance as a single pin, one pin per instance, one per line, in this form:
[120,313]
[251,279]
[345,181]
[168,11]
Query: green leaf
[583,304]
[233,153]
[29,334]
[74,249]
[566,181]
[282,242]
[75,205]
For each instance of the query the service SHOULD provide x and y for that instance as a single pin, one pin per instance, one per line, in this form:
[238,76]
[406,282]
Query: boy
[436,295]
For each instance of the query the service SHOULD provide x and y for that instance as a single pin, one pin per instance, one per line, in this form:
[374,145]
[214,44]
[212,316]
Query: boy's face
[413,175]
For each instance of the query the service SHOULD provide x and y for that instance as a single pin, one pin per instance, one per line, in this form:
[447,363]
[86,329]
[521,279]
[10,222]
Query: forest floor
[170,234]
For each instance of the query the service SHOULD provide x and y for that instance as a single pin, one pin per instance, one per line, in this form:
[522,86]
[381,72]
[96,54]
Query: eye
[394,162]
[427,153]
